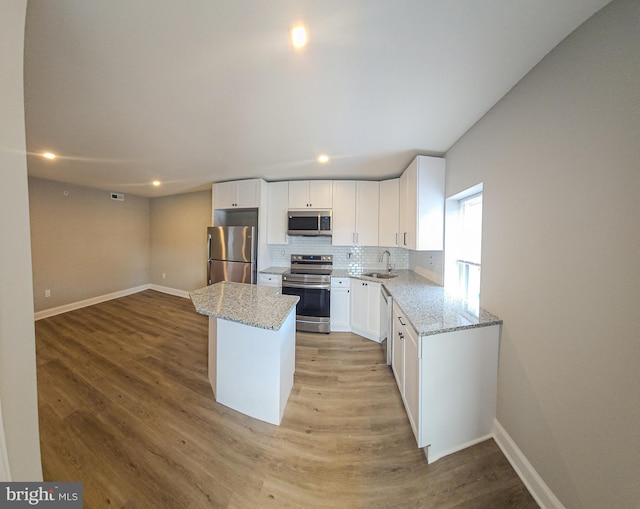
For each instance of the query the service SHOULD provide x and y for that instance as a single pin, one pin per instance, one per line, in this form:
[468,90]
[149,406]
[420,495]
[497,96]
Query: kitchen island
[251,346]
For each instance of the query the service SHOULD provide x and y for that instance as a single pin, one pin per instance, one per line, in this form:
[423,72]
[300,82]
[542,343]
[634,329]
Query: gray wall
[179,240]
[18,394]
[84,243]
[559,157]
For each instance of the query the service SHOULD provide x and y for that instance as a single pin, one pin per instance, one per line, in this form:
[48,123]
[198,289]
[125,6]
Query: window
[469,252]
[463,241]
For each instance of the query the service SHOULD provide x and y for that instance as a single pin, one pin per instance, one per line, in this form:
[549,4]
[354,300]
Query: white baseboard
[170,291]
[534,483]
[5,473]
[431,457]
[46,313]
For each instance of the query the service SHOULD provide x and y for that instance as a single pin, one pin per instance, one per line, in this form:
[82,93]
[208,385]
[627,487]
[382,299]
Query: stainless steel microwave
[311,223]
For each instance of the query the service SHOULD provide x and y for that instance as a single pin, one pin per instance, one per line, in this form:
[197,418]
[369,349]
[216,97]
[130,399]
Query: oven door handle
[307,286]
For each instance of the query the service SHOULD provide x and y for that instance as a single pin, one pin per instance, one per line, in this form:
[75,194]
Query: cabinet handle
[396,238]
[401,322]
[404,238]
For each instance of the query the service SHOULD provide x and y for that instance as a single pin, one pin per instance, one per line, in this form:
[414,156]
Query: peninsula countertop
[428,306]
[253,305]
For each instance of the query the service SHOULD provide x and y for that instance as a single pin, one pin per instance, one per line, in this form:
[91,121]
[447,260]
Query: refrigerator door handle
[208,259]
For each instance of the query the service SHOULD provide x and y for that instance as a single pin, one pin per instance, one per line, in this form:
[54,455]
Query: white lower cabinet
[365,309]
[448,384]
[397,352]
[340,304]
[274,280]
[412,377]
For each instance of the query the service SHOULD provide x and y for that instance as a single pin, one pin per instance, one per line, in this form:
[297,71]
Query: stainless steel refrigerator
[232,254]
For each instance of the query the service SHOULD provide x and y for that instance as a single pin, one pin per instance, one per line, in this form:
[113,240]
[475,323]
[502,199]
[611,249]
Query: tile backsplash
[352,258]
[356,259]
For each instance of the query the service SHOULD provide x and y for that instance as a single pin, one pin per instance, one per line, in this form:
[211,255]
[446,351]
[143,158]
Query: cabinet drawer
[340,282]
[269,279]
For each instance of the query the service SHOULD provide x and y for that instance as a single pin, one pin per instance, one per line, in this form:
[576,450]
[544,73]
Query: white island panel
[251,369]
[458,382]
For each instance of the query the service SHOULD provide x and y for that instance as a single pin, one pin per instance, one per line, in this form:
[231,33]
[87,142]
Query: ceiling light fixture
[299,36]
[323,158]
[156,183]
[49,155]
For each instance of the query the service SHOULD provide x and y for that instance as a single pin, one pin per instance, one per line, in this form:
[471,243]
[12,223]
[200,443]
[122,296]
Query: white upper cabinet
[344,213]
[388,215]
[277,204]
[310,194]
[355,213]
[367,197]
[422,204]
[242,194]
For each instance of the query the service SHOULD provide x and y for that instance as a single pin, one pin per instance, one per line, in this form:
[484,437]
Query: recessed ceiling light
[299,36]
[323,158]
[156,183]
[49,155]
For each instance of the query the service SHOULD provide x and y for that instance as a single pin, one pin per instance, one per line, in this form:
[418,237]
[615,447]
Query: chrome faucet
[388,259]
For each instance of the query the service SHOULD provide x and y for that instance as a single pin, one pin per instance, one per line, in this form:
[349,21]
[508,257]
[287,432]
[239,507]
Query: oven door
[313,308]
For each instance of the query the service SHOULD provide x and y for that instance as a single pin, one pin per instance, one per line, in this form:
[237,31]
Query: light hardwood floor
[126,408]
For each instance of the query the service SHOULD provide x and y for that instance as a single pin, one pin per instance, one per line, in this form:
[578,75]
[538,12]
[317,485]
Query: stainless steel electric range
[310,279]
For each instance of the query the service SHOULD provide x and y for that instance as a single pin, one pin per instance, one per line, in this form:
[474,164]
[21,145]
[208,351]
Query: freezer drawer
[238,272]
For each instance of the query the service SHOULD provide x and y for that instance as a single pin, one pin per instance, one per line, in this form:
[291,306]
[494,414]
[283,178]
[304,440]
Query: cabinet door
[429,205]
[299,194]
[344,213]
[422,204]
[248,193]
[403,210]
[340,306]
[373,310]
[320,195]
[359,305]
[366,213]
[411,205]
[412,379]
[225,195]
[277,204]
[388,215]
[397,358]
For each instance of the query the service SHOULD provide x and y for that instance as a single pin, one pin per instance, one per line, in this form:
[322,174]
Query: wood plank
[126,408]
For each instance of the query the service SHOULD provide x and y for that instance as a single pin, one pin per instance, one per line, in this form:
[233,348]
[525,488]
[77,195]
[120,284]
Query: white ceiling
[195,91]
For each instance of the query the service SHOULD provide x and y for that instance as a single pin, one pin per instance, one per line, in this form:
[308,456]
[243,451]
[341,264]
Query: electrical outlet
[47,293]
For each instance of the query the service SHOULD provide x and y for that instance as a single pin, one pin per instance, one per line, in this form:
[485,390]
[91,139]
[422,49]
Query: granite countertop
[253,305]
[274,270]
[428,306]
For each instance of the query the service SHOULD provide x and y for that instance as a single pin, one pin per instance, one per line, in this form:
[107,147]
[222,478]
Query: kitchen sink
[380,275]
